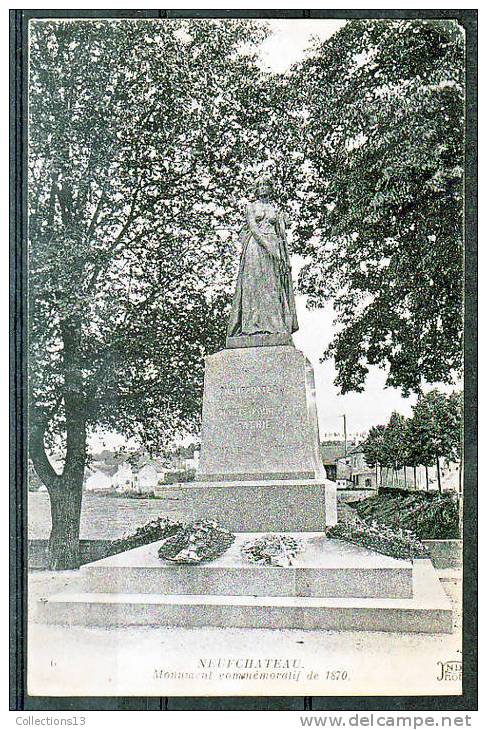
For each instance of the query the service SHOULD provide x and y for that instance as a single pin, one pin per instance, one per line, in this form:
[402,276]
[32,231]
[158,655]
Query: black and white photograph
[245,275]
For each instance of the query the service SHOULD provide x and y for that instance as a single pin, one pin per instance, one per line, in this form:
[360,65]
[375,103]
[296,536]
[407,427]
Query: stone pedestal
[256,506]
[259,417]
[260,467]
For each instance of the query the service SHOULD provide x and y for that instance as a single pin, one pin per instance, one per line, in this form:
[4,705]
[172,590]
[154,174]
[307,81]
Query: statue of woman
[263,303]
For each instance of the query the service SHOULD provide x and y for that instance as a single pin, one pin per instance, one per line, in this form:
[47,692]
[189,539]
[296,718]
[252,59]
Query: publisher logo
[449,671]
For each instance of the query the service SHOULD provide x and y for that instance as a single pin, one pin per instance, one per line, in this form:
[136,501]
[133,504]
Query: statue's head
[263,187]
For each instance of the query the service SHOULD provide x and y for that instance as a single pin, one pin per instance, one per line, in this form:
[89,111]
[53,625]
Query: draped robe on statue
[264,300]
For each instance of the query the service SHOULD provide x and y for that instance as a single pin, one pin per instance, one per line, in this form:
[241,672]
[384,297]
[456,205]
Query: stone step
[428,611]
[325,568]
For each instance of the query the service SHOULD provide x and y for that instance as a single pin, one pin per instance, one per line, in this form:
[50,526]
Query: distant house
[353,472]
[192,460]
[330,451]
[185,458]
[137,471]
[146,478]
[181,465]
[98,481]
[122,479]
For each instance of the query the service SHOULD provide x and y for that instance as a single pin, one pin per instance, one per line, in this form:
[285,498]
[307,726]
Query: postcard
[245,327]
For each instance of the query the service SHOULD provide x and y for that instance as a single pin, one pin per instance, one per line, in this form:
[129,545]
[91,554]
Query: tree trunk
[415,481]
[66,489]
[65,515]
[427,480]
[438,473]
[66,497]
[405,482]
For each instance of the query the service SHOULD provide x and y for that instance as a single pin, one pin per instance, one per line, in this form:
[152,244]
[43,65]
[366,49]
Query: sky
[363,410]
[290,38]
[287,44]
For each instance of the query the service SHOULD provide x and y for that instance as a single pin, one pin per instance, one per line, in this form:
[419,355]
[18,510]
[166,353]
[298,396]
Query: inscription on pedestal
[249,390]
[257,415]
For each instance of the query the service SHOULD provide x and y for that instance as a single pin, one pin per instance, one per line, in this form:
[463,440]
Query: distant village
[135,473]
[346,465]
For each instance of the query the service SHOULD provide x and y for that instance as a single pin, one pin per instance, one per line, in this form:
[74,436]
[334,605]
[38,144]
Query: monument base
[290,505]
[332,586]
[324,568]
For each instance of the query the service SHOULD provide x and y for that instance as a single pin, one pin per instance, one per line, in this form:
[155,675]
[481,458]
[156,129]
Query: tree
[373,449]
[413,448]
[142,136]
[437,428]
[394,443]
[382,224]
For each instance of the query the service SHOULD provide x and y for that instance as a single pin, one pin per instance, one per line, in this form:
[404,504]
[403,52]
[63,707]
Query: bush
[401,544]
[174,477]
[430,516]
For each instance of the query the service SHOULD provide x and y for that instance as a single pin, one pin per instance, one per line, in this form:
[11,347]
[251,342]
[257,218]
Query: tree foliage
[394,442]
[140,142]
[437,426]
[381,226]
[142,138]
[433,432]
[373,447]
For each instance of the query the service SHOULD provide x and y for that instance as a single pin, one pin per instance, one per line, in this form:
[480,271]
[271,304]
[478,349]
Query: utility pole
[345,432]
